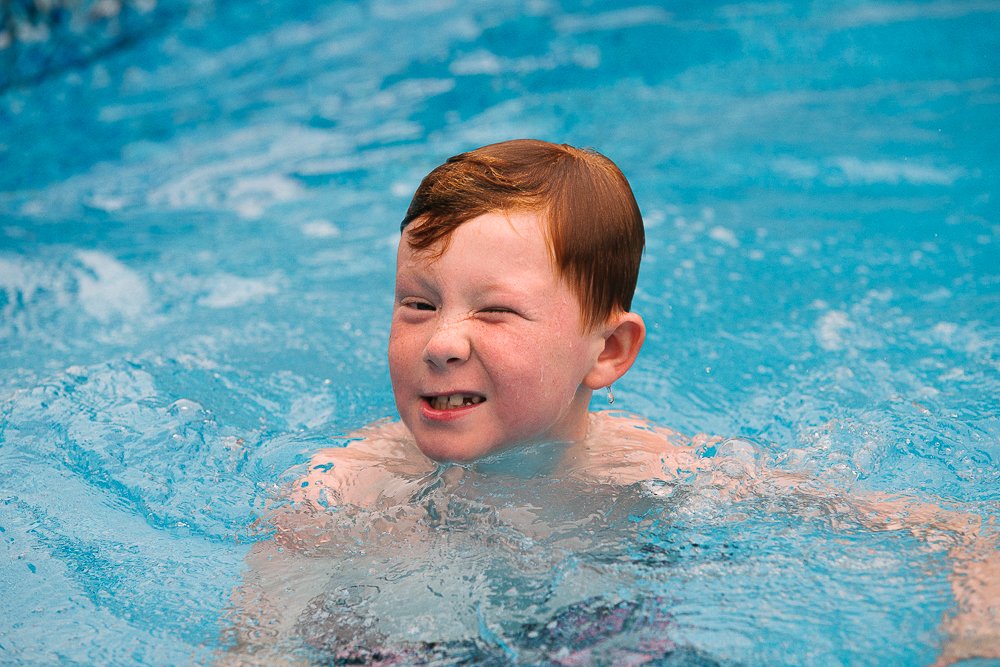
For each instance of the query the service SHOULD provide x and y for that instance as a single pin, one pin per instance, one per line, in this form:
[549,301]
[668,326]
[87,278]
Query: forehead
[512,242]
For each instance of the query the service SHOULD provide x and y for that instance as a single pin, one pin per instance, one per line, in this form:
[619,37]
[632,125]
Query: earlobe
[623,339]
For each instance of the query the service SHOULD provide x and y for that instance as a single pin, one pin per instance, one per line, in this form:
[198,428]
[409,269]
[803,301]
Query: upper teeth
[454,401]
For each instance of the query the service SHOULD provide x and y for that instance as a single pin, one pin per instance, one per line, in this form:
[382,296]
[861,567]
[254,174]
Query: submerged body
[386,555]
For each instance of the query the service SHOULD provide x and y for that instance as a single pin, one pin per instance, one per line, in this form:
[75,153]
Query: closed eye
[497,313]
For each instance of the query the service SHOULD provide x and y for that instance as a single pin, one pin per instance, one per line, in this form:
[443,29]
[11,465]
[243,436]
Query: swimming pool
[197,236]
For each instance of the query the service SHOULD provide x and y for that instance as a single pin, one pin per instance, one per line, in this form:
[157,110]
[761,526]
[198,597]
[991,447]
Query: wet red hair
[594,226]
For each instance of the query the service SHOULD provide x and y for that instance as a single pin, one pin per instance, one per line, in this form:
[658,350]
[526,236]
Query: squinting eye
[418,305]
[496,309]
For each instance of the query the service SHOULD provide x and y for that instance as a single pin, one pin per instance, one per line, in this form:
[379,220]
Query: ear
[623,337]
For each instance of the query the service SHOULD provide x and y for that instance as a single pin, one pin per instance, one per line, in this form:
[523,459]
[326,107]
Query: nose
[448,345]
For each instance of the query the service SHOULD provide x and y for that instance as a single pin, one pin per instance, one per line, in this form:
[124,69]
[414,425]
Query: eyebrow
[491,290]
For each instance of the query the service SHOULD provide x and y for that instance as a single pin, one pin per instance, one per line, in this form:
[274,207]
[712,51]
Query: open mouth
[453,401]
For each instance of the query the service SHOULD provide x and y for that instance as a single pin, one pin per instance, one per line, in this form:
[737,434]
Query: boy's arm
[973,628]
[379,467]
[737,472]
[280,577]
[282,572]
[973,548]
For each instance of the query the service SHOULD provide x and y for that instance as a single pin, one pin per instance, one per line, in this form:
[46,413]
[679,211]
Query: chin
[451,452]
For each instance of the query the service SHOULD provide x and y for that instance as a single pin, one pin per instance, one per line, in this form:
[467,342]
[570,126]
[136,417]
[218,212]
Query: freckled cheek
[404,351]
[528,377]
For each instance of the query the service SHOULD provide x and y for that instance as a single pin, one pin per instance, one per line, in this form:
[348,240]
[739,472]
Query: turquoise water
[197,238]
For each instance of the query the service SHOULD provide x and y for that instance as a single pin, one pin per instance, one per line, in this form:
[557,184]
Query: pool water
[197,237]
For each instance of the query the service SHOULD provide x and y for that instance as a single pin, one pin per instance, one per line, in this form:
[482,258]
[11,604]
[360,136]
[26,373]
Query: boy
[514,280]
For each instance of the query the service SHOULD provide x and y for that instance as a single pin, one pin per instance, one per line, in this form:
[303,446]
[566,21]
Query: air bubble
[186,410]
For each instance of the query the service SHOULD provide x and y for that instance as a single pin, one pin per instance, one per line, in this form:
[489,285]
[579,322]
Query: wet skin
[487,347]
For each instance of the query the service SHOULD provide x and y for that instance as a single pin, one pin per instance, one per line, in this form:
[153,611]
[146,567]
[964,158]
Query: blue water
[197,237]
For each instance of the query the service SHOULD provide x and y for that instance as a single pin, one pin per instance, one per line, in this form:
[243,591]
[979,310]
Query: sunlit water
[197,239]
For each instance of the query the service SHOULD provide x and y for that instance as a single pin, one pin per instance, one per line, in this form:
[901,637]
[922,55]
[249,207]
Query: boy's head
[594,227]
[514,280]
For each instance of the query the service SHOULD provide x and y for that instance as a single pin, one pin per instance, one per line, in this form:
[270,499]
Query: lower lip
[432,414]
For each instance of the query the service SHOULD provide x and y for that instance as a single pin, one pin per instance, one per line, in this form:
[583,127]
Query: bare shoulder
[379,463]
[375,441]
[624,449]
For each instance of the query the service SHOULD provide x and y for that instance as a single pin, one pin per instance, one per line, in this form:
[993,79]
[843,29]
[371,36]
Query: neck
[523,461]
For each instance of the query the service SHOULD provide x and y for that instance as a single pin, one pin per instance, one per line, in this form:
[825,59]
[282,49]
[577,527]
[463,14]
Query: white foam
[228,291]
[893,172]
[882,13]
[108,203]
[250,196]
[796,168]
[108,288]
[944,332]
[391,131]
[724,235]
[32,207]
[477,62]
[402,189]
[654,218]
[486,62]
[830,329]
[613,20]
[243,171]
[410,91]
[939,294]
[394,10]
[320,229]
